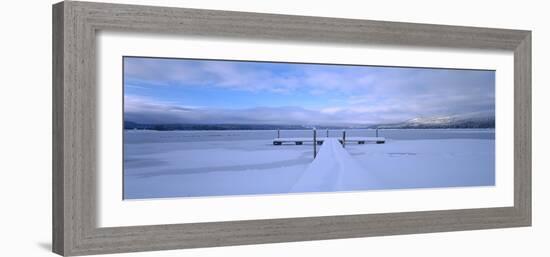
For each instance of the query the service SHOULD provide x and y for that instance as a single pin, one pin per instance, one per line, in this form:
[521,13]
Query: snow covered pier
[334,170]
[302,140]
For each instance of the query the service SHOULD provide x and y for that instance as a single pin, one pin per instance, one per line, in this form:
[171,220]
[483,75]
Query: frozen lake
[160,164]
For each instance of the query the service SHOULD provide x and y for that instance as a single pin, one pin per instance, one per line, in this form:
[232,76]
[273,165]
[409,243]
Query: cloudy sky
[215,92]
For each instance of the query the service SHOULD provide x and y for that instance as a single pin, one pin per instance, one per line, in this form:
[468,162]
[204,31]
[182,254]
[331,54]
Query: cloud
[149,111]
[232,75]
[142,110]
[334,93]
[245,76]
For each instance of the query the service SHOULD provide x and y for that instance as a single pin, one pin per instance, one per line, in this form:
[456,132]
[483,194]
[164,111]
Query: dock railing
[316,141]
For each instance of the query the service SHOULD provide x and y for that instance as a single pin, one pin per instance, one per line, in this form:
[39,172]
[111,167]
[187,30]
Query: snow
[193,164]
[402,164]
[212,168]
[334,170]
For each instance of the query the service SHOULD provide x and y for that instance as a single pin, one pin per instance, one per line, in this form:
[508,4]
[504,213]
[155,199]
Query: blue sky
[212,92]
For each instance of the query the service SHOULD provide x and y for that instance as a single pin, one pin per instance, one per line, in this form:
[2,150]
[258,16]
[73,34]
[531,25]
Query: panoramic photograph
[207,128]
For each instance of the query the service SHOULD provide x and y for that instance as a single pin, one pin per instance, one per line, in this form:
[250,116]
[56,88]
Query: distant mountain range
[453,121]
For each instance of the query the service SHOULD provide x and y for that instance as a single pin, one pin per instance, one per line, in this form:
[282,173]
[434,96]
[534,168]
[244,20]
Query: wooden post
[327,133]
[278,133]
[314,143]
[344,139]
[376,132]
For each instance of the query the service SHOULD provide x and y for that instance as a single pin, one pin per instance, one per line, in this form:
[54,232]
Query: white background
[25,129]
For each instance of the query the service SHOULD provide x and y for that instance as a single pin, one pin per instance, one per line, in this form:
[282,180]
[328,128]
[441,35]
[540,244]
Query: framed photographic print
[182,128]
[300,127]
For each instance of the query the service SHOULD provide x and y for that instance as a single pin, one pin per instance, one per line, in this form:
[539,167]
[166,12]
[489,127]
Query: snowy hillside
[470,120]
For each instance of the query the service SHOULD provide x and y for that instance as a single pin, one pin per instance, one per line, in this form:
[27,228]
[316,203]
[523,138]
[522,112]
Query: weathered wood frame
[74,130]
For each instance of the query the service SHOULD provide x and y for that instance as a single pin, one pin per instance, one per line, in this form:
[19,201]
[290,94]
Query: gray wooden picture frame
[75,25]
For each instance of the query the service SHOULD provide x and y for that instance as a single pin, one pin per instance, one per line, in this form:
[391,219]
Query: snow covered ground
[334,169]
[215,163]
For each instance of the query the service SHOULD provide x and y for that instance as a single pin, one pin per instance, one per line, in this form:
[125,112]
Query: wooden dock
[320,140]
[334,169]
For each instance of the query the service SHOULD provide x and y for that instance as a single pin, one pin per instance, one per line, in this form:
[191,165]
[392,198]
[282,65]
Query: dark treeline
[171,127]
